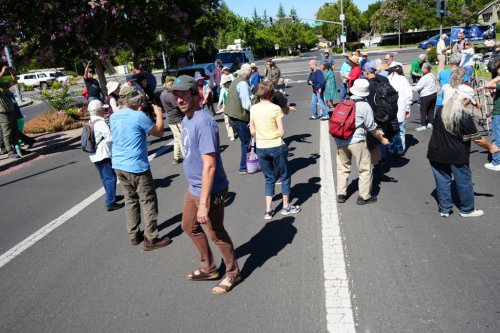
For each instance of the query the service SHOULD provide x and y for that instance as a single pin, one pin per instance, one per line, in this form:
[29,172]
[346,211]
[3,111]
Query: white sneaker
[429,126]
[444,214]
[474,213]
[491,166]
[421,128]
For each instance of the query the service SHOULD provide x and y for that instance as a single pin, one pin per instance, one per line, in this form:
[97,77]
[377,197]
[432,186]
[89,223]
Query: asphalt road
[409,270]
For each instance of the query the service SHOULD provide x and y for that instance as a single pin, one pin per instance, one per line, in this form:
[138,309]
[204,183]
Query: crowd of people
[383,95]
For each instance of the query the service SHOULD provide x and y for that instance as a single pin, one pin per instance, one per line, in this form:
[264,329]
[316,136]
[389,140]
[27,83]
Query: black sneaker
[341,198]
[114,206]
[362,201]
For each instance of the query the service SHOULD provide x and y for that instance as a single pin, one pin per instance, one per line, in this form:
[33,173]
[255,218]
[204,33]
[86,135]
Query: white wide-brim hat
[112,86]
[360,88]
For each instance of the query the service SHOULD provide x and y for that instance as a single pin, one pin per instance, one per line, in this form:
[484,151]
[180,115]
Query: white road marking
[51,226]
[339,313]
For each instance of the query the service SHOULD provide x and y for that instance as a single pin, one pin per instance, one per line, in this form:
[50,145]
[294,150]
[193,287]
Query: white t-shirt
[467,60]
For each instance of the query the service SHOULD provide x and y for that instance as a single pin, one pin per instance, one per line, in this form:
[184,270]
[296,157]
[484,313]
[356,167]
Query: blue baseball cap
[370,66]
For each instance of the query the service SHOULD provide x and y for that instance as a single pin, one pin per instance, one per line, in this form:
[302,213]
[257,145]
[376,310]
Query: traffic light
[293,18]
[271,20]
[441,8]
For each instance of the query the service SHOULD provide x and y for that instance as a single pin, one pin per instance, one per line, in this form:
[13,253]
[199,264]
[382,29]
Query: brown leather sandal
[233,282]
[199,275]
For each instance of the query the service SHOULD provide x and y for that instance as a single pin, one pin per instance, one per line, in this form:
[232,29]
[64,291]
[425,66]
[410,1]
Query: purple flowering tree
[62,30]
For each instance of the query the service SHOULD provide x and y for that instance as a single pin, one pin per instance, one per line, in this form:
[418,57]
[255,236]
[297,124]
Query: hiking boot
[139,237]
[474,213]
[362,201]
[156,243]
[341,198]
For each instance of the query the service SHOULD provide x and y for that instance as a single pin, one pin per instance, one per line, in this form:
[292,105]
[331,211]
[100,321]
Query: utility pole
[342,18]
[11,64]
[163,53]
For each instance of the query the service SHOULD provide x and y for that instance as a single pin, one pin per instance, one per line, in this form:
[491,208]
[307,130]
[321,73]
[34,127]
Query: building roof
[487,6]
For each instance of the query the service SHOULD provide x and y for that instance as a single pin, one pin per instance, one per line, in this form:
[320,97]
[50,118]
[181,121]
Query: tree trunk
[99,68]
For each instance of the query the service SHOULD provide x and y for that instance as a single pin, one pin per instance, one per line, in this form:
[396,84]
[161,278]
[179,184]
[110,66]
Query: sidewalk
[45,144]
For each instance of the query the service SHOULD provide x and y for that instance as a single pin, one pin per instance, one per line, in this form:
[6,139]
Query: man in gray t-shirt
[208,187]
[355,148]
[174,118]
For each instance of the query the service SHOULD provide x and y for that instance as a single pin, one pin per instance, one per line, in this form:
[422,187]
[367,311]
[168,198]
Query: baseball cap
[184,82]
[370,66]
[96,105]
[128,91]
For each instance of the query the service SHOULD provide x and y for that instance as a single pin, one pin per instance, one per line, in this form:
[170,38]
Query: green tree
[354,20]
[281,12]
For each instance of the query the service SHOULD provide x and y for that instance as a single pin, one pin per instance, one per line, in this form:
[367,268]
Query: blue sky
[305,8]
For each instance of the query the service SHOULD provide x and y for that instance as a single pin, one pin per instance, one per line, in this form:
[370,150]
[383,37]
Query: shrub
[295,52]
[73,74]
[336,50]
[50,121]
[432,55]
[25,87]
[58,99]
[73,112]
[353,46]
[55,85]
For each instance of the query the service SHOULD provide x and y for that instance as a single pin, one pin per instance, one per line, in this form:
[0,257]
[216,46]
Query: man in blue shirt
[254,78]
[130,128]
[208,187]
[317,81]
[328,59]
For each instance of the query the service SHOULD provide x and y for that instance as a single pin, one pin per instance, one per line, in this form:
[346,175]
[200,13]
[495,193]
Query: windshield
[231,57]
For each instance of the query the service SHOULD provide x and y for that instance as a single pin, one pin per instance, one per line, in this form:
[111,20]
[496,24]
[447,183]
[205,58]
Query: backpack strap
[92,123]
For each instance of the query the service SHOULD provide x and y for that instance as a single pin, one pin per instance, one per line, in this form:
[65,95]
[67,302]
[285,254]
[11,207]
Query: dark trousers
[241,127]
[427,105]
[108,178]
[216,232]
[8,126]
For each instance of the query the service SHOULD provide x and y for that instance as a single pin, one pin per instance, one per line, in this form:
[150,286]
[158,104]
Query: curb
[25,104]
[41,151]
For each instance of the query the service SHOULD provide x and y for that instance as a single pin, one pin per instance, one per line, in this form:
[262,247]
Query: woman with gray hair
[426,87]
[449,151]
[444,77]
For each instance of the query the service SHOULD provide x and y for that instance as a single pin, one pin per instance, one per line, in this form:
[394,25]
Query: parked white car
[60,76]
[41,79]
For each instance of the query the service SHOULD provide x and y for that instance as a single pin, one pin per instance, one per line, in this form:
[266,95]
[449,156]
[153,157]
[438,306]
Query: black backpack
[386,103]
[87,140]
[492,62]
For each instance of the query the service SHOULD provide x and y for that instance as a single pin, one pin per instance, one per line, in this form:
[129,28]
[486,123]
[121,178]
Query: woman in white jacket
[405,97]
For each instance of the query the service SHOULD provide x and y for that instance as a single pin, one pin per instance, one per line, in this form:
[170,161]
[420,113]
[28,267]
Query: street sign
[276,47]
[317,24]
[342,17]
[343,39]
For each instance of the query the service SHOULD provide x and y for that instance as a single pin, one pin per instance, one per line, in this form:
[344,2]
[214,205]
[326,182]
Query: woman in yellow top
[266,124]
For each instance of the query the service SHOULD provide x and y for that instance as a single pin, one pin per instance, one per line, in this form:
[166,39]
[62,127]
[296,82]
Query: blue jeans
[399,141]
[317,97]
[495,137]
[463,183]
[108,178]
[468,71]
[343,91]
[270,157]
[241,127]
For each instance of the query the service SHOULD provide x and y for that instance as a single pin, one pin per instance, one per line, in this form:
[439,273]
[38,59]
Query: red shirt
[354,74]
